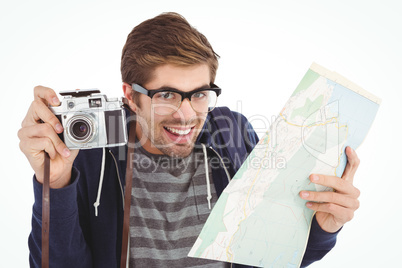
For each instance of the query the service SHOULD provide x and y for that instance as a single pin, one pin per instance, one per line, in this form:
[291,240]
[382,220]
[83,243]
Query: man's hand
[334,209]
[39,134]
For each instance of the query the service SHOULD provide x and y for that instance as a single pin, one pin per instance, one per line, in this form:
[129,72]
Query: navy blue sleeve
[67,247]
[319,243]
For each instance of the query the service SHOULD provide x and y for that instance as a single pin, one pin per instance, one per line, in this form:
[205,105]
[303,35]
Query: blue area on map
[362,117]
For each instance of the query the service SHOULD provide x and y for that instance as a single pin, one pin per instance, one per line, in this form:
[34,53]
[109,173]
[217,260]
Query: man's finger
[331,197]
[341,186]
[36,146]
[46,95]
[352,165]
[341,214]
[44,130]
[40,112]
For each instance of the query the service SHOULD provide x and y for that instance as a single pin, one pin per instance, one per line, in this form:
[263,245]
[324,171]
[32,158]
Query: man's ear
[128,94]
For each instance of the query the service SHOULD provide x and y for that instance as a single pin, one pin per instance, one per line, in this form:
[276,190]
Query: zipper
[223,164]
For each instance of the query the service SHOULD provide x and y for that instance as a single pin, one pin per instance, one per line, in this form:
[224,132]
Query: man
[186,156]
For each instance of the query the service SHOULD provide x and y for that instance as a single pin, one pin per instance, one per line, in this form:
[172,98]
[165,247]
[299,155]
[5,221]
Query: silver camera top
[83,99]
[80,92]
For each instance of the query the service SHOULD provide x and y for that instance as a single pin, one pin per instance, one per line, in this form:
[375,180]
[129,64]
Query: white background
[265,48]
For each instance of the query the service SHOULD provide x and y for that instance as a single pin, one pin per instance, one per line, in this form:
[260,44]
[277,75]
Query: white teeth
[179,131]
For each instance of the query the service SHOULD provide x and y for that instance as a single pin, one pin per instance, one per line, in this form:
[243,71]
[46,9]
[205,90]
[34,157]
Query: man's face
[173,134]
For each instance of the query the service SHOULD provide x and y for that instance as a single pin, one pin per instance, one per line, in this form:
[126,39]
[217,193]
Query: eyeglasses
[168,101]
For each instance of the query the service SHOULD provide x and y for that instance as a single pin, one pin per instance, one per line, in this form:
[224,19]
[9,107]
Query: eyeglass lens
[167,102]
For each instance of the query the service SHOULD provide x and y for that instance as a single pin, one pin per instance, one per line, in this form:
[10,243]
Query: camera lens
[80,129]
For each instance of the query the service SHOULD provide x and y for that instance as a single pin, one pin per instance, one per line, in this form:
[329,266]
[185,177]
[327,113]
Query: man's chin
[177,150]
[177,145]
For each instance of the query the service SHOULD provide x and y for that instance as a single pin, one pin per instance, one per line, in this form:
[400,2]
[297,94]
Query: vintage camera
[91,120]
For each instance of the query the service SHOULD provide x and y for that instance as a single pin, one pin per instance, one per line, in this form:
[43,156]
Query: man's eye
[165,95]
[199,95]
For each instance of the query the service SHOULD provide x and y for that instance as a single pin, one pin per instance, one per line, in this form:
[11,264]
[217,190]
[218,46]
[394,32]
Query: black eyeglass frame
[184,95]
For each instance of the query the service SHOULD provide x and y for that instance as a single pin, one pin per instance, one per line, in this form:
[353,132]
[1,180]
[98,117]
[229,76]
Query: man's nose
[185,112]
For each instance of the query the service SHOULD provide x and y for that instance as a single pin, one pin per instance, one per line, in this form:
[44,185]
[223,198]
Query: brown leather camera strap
[127,195]
[45,212]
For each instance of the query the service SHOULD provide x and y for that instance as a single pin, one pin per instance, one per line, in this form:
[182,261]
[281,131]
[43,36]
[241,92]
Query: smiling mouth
[179,131]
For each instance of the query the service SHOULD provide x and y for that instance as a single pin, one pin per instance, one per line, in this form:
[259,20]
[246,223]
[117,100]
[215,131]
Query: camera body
[91,120]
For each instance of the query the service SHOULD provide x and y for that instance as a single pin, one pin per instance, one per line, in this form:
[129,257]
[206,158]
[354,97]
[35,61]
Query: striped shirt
[168,210]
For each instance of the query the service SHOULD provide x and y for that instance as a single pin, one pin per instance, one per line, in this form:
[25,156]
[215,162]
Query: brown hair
[165,39]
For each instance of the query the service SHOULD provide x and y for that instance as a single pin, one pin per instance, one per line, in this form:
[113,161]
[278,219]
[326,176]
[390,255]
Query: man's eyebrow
[167,88]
